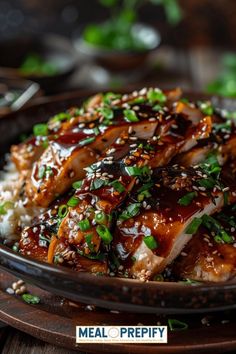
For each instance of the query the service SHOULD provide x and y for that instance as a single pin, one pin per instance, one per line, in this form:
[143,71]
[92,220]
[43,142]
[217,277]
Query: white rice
[18,215]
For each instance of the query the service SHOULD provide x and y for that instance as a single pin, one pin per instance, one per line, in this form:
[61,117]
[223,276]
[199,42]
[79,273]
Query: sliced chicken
[166,222]
[211,254]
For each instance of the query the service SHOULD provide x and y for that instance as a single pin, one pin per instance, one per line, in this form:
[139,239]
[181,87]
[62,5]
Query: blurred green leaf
[108,3]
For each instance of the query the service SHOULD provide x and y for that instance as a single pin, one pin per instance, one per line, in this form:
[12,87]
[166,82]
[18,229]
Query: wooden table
[191,70]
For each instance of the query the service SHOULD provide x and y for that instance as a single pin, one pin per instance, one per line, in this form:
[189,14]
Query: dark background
[205,22]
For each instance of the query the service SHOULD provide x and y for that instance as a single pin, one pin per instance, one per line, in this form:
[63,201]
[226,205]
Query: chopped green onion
[157,108]
[97,183]
[77,184]
[96,131]
[5,206]
[137,171]
[144,194]
[187,198]
[193,226]
[109,97]
[104,233]
[106,112]
[206,108]
[61,116]
[88,239]
[218,239]
[40,130]
[100,217]
[156,95]
[62,211]
[131,211]
[207,183]
[145,187]
[226,237]
[73,201]
[31,299]
[210,223]
[176,325]
[150,242]
[118,186]
[87,141]
[84,225]
[130,115]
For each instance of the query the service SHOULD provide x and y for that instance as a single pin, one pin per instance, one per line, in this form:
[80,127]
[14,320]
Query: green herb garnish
[40,129]
[31,299]
[206,108]
[101,217]
[131,211]
[187,198]
[87,141]
[118,186]
[156,95]
[106,112]
[193,226]
[77,184]
[73,201]
[176,325]
[104,233]
[62,211]
[84,225]
[130,115]
[150,242]
[98,183]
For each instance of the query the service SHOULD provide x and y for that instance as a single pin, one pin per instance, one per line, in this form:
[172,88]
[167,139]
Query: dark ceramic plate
[112,293]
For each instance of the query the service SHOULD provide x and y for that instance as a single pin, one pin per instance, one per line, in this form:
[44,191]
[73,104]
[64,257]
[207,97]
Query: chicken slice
[148,242]
[211,254]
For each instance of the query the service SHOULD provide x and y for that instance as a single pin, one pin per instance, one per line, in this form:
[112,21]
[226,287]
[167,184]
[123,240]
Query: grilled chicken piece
[26,153]
[168,223]
[65,162]
[211,254]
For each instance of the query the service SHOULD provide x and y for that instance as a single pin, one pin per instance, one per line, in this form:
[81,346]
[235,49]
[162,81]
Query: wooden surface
[191,69]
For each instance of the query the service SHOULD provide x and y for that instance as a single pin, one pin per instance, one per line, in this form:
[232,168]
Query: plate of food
[125,201]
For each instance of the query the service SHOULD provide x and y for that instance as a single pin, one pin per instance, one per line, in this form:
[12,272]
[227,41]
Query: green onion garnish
[84,225]
[106,112]
[206,108]
[193,226]
[109,97]
[176,325]
[88,239]
[150,242]
[5,206]
[73,201]
[31,299]
[118,186]
[87,141]
[62,211]
[77,184]
[187,198]
[100,217]
[137,171]
[207,183]
[131,211]
[97,183]
[156,95]
[40,129]
[104,233]
[144,194]
[130,115]
[226,237]
[61,116]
